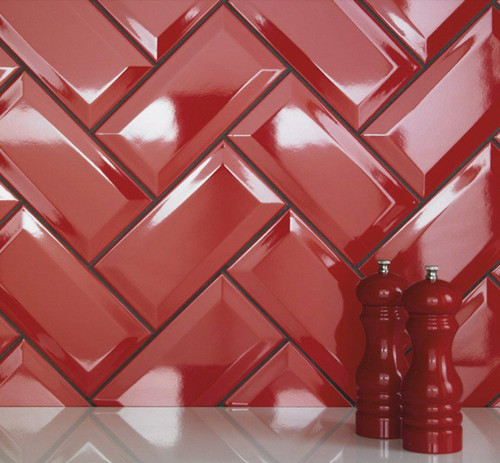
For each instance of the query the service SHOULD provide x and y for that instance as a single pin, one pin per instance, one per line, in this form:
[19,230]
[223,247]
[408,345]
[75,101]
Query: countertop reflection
[150,435]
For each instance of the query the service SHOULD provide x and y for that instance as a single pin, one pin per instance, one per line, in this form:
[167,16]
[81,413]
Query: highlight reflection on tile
[214,435]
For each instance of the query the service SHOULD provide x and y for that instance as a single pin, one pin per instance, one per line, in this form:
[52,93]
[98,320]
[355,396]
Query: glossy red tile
[26,379]
[496,273]
[199,357]
[7,200]
[190,235]
[314,160]
[477,357]
[287,380]
[458,229]
[7,335]
[84,60]
[420,135]
[62,172]
[427,26]
[7,67]
[309,292]
[61,306]
[158,25]
[190,101]
[316,36]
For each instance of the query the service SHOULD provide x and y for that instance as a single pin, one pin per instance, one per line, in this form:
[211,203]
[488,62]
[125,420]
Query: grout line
[123,31]
[44,356]
[10,348]
[294,208]
[325,103]
[426,200]
[483,277]
[254,370]
[492,401]
[264,229]
[11,79]
[11,213]
[287,336]
[429,63]
[378,20]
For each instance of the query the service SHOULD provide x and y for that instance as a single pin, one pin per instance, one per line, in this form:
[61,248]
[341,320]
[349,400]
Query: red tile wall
[190,191]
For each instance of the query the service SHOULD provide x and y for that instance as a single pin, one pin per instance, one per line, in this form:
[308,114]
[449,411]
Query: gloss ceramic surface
[314,160]
[190,101]
[215,435]
[287,380]
[309,292]
[316,35]
[181,243]
[426,26]
[149,148]
[67,312]
[200,357]
[61,172]
[425,144]
[84,60]
[157,25]
[465,249]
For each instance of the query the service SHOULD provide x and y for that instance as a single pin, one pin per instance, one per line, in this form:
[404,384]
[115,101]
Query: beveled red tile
[7,199]
[420,135]
[62,172]
[190,235]
[287,380]
[458,229]
[7,67]
[190,101]
[309,292]
[27,380]
[425,26]
[156,24]
[476,348]
[84,60]
[337,47]
[496,273]
[199,357]
[7,335]
[61,306]
[322,168]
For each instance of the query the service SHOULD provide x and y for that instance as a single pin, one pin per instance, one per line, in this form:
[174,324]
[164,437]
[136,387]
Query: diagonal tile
[199,357]
[478,362]
[62,172]
[190,235]
[458,229]
[287,380]
[427,25]
[7,67]
[447,113]
[190,101]
[310,292]
[27,435]
[103,66]
[156,24]
[7,200]
[61,306]
[337,47]
[314,160]
[7,335]
[27,380]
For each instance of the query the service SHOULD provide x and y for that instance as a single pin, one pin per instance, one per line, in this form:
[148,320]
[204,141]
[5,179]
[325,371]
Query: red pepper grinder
[432,388]
[380,372]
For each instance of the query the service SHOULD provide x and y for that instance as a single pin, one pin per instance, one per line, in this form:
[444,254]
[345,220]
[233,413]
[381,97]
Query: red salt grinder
[379,374]
[432,388]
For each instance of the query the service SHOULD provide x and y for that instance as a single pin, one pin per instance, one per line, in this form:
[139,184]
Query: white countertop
[284,435]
